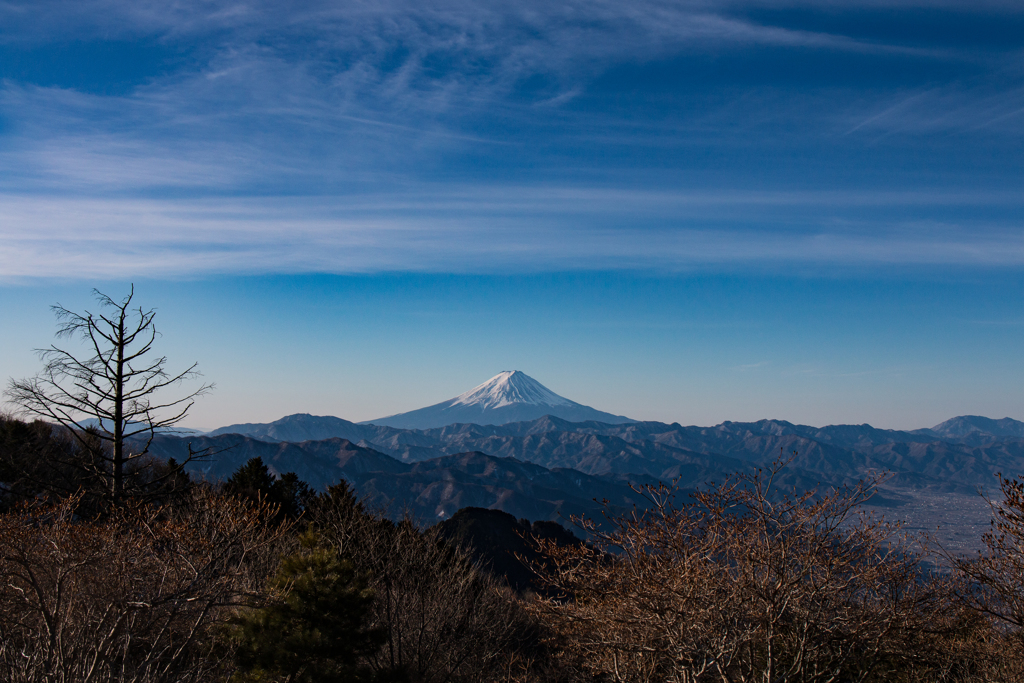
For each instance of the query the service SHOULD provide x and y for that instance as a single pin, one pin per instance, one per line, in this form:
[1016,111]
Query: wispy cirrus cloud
[460,135]
[750,366]
[467,234]
[950,109]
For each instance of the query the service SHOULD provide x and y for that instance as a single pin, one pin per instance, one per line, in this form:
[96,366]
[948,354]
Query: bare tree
[995,585]
[107,396]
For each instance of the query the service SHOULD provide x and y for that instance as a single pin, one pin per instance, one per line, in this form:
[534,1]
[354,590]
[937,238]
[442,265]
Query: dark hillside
[436,489]
[498,540]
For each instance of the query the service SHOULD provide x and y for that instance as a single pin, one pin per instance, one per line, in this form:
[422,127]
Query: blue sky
[690,211]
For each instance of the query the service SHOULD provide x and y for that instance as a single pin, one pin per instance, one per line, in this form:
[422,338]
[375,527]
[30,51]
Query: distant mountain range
[108,425]
[659,449]
[549,468]
[512,444]
[513,396]
[977,429]
[298,427]
[510,396]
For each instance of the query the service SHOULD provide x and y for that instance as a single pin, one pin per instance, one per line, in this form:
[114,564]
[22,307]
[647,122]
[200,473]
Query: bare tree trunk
[118,463]
[114,384]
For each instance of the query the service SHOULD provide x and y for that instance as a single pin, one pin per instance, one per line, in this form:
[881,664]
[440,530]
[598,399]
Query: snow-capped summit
[509,387]
[509,396]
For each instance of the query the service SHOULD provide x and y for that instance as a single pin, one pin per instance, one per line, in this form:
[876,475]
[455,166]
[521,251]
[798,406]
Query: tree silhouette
[107,396]
[254,481]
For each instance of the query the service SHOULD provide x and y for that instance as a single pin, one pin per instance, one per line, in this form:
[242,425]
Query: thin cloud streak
[950,109]
[47,238]
[750,366]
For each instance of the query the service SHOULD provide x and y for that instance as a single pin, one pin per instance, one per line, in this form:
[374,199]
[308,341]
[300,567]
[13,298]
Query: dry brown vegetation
[131,597]
[739,583]
[444,618]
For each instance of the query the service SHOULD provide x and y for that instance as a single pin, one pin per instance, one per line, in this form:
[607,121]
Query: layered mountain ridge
[429,489]
[565,456]
[550,468]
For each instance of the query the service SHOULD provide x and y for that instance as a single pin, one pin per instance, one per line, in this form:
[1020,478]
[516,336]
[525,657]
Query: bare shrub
[995,576]
[992,585]
[742,584]
[128,598]
[445,619]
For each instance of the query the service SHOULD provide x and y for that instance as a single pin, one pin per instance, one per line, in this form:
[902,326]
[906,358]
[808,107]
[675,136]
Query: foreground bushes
[443,618]
[129,598]
[742,585]
[737,584]
[217,586]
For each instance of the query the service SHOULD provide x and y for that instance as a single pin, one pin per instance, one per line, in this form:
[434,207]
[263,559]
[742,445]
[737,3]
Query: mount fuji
[510,396]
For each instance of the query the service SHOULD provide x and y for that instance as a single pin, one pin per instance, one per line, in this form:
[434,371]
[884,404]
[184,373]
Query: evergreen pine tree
[251,480]
[314,630]
[254,481]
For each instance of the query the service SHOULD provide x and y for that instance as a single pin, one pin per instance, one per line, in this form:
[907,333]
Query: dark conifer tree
[314,629]
[254,481]
[251,480]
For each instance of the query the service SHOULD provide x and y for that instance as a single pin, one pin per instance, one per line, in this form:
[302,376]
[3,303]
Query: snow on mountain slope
[510,396]
[507,388]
